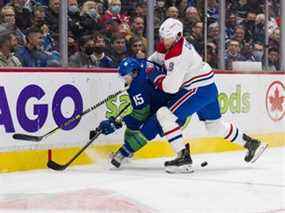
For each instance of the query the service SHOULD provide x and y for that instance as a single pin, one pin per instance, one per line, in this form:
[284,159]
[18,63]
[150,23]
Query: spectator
[273,60]
[239,35]
[258,51]
[8,42]
[196,37]
[99,58]
[172,12]
[140,10]
[182,6]
[191,17]
[274,39]
[231,23]
[233,54]
[113,13]
[214,33]
[52,17]
[73,15]
[137,48]
[160,11]
[247,52]
[239,7]
[82,58]
[249,25]
[118,49]
[125,30]
[8,21]
[31,55]
[213,11]
[23,14]
[212,58]
[39,22]
[259,31]
[89,19]
[138,29]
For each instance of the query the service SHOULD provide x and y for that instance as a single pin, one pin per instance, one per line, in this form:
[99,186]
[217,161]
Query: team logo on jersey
[149,68]
[275,101]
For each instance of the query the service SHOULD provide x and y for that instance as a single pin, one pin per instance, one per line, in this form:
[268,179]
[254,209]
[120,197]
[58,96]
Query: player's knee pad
[215,127]
[166,118]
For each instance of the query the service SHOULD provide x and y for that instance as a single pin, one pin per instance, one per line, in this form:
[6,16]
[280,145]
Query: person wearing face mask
[32,55]
[88,21]
[7,45]
[99,57]
[73,16]
[82,58]
[114,12]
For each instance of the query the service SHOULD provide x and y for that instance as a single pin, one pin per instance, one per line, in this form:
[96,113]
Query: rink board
[34,101]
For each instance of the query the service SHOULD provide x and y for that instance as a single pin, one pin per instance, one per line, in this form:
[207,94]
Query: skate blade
[181,169]
[259,152]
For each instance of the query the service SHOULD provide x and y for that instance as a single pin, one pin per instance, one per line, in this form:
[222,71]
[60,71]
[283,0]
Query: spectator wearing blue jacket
[31,55]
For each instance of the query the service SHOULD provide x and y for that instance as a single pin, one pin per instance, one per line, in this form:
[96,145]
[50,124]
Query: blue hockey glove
[155,74]
[109,126]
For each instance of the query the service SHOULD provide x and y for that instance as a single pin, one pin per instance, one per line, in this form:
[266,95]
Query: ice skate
[255,148]
[181,164]
[117,158]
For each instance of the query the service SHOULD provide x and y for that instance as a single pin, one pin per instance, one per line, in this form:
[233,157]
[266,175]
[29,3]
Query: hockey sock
[171,129]
[233,134]
[133,141]
[226,130]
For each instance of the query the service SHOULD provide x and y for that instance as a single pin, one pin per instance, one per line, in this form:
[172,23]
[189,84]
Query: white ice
[227,185]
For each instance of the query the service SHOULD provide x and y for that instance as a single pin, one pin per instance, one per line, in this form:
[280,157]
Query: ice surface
[227,185]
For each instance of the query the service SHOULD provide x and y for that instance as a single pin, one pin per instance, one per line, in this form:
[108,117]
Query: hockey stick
[34,138]
[59,167]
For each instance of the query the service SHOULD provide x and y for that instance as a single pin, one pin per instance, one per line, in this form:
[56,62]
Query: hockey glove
[155,75]
[109,126]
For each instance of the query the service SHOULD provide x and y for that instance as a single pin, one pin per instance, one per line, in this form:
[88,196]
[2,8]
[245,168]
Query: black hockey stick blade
[25,137]
[55,166]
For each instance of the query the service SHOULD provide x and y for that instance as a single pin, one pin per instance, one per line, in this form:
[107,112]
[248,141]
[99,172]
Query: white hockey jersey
[185,67]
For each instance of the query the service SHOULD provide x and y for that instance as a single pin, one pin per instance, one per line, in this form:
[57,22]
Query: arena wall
[34,101]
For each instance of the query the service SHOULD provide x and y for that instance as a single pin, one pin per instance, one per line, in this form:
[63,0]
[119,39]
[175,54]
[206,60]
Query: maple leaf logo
[276,101]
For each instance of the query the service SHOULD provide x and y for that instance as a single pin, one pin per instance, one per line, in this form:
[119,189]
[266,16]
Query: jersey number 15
[138,99]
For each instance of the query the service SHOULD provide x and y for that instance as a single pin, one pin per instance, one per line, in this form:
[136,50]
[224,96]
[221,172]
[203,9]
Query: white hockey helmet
[171,28]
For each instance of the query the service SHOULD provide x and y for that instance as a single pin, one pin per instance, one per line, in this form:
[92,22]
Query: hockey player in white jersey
[192,82]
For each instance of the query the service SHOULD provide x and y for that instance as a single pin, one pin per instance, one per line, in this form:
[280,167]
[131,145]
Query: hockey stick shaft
[26,137]
[55,166]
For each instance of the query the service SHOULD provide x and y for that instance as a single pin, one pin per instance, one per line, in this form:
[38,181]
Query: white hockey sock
[175,138]
[170,128]
[226,130]
[233,134]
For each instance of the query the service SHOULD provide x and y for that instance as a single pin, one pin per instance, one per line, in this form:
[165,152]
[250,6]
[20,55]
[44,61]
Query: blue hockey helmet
[128,65]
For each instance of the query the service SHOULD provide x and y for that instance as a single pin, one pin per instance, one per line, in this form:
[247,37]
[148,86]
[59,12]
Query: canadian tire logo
[275,101]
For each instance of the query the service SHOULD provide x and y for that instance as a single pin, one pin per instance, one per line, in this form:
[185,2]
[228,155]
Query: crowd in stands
[102,32]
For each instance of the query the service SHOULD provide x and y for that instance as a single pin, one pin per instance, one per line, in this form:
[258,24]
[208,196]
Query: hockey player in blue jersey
[141,125]
[192,83]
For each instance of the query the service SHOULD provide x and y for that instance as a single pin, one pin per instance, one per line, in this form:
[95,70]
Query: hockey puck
[204,163]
